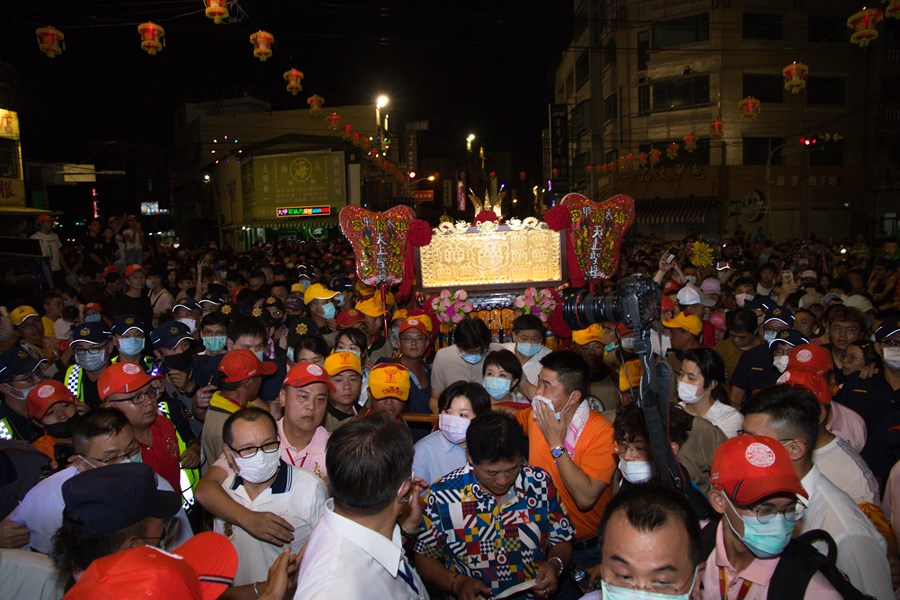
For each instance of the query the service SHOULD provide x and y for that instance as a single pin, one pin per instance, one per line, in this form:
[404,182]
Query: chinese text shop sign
[297,179]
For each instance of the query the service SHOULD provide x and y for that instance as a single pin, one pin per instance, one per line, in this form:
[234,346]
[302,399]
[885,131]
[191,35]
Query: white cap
[689,295]
[858,302]
[808,274]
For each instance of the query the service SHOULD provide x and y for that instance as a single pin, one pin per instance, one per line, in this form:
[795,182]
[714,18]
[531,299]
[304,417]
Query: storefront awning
[662,212]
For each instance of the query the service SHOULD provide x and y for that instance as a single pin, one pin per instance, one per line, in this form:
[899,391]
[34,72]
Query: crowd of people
[261,424]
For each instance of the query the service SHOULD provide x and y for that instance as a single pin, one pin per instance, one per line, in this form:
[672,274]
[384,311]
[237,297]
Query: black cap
[888,327]
[125,323]
[273,302]
[341,284]
[187,302]
[168,335]
[15,362]
[92,333]
[778,313]
[212,298]
[108,499]
[791,337]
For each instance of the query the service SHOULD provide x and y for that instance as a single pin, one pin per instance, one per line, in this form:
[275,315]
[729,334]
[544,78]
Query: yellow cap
[342,361]
[593,333]
[389,380]
[371,307]
[399,315]
[21,313]
[317,291]
[630,375]
[682,320]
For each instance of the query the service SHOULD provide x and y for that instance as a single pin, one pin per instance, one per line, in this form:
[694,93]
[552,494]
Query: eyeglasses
[890,343]
[81,352]
[250,451]
[133,450]
[847,330]
[33,377]
[139,398]
[632,450]
[413,339]
[765,512]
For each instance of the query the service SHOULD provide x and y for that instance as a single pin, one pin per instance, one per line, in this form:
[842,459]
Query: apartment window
[827,154]
[681,92]
[570,85]
[643,50]
[825,90]
[611,107]
[582,69]
[756,150]
[681,31]
[580,118]
[767,88]
[644,100]
[763,26]
[609,53]
[832,30]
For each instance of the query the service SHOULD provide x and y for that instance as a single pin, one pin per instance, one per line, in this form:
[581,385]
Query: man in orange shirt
[574,445]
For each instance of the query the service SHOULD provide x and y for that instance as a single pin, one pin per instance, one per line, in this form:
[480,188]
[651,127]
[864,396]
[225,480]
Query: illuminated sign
[303,211]
[9,124]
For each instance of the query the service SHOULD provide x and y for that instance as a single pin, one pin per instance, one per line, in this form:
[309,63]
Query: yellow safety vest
[189,477]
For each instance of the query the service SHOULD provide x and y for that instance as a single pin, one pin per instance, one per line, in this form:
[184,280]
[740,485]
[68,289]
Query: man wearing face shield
[92,347]
[19,374]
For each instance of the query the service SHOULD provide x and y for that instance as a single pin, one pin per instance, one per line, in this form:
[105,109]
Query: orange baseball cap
[810,356]
[420,322]
[122,378]
[45,395]
[592,333]
[304,373]
[690,323]
[750,467]
[630,375]
[339,362]
[45,218]
[132,269]
[808,379]
[389,380]
[242,364]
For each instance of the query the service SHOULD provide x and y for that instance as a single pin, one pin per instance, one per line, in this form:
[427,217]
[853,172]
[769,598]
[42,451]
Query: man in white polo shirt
[263,482]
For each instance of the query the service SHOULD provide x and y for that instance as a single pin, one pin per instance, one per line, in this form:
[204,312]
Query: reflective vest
[6,430]
[189,477]
[73,381]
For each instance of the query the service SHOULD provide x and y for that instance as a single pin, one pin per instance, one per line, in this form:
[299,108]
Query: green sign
[296,179]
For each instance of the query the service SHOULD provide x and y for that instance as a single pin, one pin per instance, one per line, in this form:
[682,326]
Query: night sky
[482,66]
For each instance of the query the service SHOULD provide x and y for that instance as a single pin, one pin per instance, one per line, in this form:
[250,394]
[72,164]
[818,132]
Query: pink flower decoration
[467,307]
[445,293]
[519,301]
[461,294]
[457,318]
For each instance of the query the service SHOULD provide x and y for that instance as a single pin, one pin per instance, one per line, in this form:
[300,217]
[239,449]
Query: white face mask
[743,299]
[636,471]
[258,468]
[191,324]
[781,363]
[628,344]
[691,279]
[687,392]
[891,357]
[453,428]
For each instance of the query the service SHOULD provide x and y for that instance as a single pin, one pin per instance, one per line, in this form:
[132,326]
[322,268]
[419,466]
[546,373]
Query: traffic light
[809,139]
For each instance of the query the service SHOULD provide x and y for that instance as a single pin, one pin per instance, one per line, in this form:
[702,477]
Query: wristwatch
[557,451]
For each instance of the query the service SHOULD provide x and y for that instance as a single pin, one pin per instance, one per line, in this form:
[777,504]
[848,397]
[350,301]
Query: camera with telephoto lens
[635,302]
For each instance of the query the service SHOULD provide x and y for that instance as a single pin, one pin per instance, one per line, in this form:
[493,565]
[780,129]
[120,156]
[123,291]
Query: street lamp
[380,103]
[469,139]
[411,181]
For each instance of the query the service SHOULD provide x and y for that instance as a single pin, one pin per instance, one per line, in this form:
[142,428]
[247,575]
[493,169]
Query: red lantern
[642,158]
[893,9]
[216,10]
[262,44]
[749,107]
[717,128]
[334,120]
[315,104]
[293,78]
[655,154]
[795,77]
[863,25]
[152,37]
[589,168]
[603,168]
[611,167]
[348,131]
[629,158]
[620,162]
[672,150]
[690,142]
[50,41]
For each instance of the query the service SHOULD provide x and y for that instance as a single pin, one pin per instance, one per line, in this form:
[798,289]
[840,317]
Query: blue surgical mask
[350,350]
[328,311]
[472,359]
[770,336]
[614,592]
[765,540]
[526,349]
[24,392]
[497,387]
[609,347]
[92,318]
[135,459]
[339,299]
[214,343]
[260,354]
[131,346]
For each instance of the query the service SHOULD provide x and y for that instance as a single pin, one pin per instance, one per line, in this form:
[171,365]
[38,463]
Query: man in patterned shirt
[496,522]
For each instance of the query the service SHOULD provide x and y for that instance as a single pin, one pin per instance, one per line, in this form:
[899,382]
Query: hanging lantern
[795,77]
[672,150]
[216,10]
[589,168]
[642,159]
[334,120]
[152,37]
[315,104]
[620,163]
[293,78]
[863,25]
[602,168]
[262,44]
[690,142]
[348,131]
[749,107]
[50,41]
[893,9]
[655,154]
[629,158]
[717,128]
[611,167]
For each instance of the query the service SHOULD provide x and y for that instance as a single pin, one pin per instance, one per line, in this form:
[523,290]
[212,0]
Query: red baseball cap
[665,303]
[45,218]
[122,377]
[45,395]
[808,379]
[349,317]
[304,373]
[132,269]
[748,468]
[810,356]
[242,364]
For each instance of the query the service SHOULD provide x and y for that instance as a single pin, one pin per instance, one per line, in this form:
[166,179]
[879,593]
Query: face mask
[781,363]
[149,285]
[136,459]
[770,336]
[131,346]
[691,279]
[538,399]
[472,359]
[636,471]
[24,392]
[497,387]
[258,468]
[687,393]
[92,318]
[453,428]
[892,357]
[528,350]
[61,430]
[614,592]
[260,354]
[743,299]
[350,350]
[191,324]
[303,283]
[765,540]
[92,362]
[395,336]
[214,343]
[609,347]
[179,362]
[328,311]
[339,299]
[628,344]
